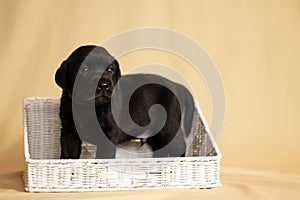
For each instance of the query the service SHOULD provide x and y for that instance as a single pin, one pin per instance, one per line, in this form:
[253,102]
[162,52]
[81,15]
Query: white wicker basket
[45,172]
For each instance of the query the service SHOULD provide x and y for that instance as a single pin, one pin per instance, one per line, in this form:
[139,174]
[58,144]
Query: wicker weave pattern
[46,173]
[43,126]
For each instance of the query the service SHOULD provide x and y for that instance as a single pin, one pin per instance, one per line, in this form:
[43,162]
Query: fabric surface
[255,45]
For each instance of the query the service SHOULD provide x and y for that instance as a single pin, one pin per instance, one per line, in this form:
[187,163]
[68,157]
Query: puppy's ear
[118,71]
[61,76]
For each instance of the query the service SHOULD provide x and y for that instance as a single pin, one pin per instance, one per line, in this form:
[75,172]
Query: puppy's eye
[110,69]
[85,69]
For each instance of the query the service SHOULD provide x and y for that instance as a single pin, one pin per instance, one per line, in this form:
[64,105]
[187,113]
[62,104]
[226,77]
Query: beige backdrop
[255,44]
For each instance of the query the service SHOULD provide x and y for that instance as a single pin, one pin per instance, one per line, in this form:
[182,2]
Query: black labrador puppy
[95,73]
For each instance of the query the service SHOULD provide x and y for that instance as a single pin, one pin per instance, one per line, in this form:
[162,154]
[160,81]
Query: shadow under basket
[45,172]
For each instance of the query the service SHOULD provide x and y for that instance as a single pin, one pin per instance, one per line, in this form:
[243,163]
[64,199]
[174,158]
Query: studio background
[254,44]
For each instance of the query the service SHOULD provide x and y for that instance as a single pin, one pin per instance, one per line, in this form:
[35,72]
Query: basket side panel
[199,142]
[121,175]
[43,128]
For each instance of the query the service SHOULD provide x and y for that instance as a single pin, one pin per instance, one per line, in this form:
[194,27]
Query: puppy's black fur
[95,66]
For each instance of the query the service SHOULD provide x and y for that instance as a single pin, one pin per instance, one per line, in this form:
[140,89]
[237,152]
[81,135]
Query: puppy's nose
[104,84]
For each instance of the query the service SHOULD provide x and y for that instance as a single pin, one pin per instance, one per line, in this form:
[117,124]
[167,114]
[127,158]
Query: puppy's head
[96,73]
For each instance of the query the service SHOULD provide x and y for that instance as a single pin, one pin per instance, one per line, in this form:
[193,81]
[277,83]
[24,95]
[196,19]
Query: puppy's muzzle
[104,85]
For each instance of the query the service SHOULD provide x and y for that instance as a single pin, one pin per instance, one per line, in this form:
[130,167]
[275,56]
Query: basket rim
[126,160]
